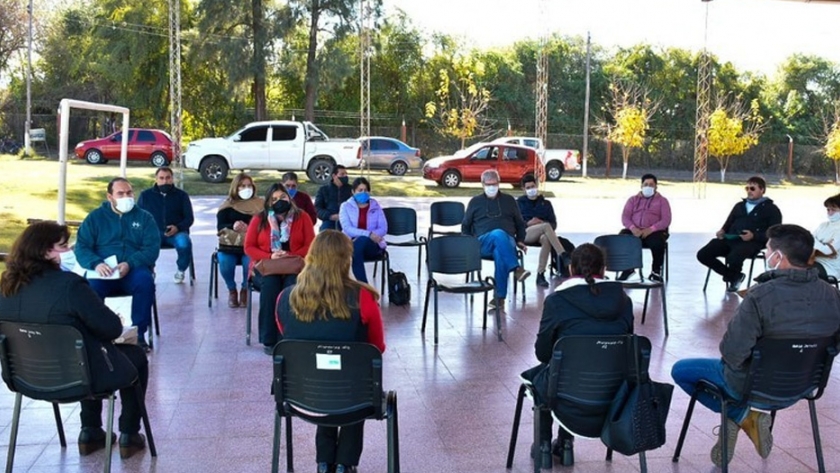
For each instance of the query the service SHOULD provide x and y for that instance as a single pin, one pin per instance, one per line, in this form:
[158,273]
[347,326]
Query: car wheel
[320,171]
[399,168]
[213,169]
[94,156]
[450,179]
[553,171]
[158,159]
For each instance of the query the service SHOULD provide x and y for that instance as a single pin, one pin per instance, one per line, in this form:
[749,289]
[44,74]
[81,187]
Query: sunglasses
[751,188]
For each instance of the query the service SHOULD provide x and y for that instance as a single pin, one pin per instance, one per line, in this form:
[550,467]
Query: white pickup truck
[280,145]
[556,161]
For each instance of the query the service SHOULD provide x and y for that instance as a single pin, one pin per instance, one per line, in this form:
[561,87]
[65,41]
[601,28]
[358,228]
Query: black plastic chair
[49,363]
[624,252]
[385,258]
[782,372]
[251,289]
[446,214]
[520,255]
[213,287]
[330,384]
[586,370]
[403,221]
[457,254]
[760,255]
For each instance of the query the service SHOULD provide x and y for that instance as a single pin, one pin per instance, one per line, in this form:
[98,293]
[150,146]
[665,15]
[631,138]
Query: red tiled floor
[211,409]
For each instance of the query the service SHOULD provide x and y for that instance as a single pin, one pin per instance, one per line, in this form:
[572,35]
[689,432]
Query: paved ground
[211,410]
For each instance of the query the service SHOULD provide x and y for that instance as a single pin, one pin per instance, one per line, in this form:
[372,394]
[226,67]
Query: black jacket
[539,208]
[328,201]
[484,214]
[762,217]
[172,208]
[62,298]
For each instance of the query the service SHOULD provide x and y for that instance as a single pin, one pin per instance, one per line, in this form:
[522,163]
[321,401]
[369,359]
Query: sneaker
[345,469]
[178,277]
[625,274]
[492,304]
[731,437]
[757,427]
[733,286]
[521,274]
[656,277]
[541,281]
[324,467]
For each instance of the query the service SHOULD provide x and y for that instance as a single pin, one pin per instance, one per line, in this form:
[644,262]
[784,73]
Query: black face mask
[166,188]
[344,180]
[281,207]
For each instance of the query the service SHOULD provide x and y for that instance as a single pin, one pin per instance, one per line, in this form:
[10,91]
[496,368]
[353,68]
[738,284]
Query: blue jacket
[539,207]
[132,237]
[172,208]
[348,216]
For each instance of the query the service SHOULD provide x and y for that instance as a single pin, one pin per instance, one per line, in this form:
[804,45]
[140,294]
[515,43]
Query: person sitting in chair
[647,216]
[585,304]
[792,302]
[540,223]
[34,289]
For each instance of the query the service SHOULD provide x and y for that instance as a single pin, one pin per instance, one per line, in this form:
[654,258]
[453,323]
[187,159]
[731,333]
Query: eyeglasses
[751,188]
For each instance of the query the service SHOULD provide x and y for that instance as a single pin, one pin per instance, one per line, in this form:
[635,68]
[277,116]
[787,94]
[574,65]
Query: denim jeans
[138,283]
[227,268]
[687,372]
[183,246]
[363,249]
[500,246]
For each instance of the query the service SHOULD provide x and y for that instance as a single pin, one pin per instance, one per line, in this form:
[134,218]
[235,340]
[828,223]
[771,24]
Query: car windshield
[235,134]
[470,150]
[314,133]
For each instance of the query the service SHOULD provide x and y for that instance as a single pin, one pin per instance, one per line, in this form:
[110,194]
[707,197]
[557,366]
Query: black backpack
[399,291]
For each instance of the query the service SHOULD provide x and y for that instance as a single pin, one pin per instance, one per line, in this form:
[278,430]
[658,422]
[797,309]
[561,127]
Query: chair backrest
[401,221]
[588,370]
[454,254]
[783,370]
[328,383]
[622,252]
[45,362]
[445,214]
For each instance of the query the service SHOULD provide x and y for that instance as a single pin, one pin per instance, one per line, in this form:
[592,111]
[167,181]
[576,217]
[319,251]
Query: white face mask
[775,266]
[531,193]
[834,217]
[648,192]
[125,204]
[491,191]
[246,193]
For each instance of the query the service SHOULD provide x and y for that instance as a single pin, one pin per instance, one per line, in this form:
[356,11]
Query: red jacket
[304,202]
[258,243]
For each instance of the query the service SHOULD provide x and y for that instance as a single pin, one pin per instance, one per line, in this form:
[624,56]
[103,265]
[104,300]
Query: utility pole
[364,77]
[701,131]
[175,126]
[586,108]
[27,142]
[541,89]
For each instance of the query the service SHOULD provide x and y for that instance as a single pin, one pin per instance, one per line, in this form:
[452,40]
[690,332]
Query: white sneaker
[179,277]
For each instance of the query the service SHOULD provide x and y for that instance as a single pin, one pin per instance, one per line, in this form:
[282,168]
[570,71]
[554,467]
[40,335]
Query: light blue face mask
[362,197]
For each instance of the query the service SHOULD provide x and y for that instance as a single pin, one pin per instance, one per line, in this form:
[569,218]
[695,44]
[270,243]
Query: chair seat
[466,287]
[405,243]
[641,284]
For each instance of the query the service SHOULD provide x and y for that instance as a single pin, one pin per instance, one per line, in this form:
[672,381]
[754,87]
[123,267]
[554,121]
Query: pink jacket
[640,212]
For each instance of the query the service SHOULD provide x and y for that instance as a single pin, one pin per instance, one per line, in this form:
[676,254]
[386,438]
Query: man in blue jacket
[173,212]
[540,224]
[118,228]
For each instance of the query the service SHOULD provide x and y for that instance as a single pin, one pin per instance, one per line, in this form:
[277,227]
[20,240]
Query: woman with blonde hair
[281,229]
[328,305]
[232,220]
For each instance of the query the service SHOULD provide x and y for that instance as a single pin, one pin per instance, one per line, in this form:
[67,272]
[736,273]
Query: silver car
[389,154]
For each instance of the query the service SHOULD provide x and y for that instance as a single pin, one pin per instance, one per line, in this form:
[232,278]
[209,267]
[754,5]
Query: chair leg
[749,278]
[498,315]
[544,458]
[816,431]
[290,461]
[10,460]
[108,431]
[393,438]
[155,315]
[724,444]
[248,316]
[517,415]
[275,445]
[706,284]
[643,462]
[684,429]
[426,306]
[210,284]
[59,425]
[644,307]
[436,316]
[144,416]
[419,259]
[664,310]
[192,269]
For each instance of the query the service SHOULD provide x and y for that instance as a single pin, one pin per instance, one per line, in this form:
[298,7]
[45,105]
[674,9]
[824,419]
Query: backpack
[399,291]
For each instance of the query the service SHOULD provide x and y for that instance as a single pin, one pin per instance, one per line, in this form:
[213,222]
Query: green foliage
[461,99]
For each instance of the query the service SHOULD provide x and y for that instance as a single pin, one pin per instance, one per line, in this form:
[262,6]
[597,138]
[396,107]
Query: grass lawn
[29,188]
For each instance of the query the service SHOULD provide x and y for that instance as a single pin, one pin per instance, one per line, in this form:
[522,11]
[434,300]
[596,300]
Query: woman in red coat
[280,229]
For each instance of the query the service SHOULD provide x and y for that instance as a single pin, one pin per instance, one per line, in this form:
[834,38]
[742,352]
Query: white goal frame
[64,136]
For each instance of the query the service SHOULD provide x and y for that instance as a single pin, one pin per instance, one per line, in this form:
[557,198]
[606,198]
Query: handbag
[287,264]
[638,413]
[230,237]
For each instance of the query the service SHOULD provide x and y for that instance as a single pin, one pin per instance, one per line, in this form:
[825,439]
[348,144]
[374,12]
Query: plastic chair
[782,372]
[251,288]
[624,252]
[213,287]
[521,257]
[403,221]
[385,258]
[760,255]
[446,214]
[587,370]
[49,363]
[457,254]
[330,384]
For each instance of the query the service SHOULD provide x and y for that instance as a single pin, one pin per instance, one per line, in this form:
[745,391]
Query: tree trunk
[722,174]
[609,158]
[837,171]
[625,156]
[258,86]
[311,81]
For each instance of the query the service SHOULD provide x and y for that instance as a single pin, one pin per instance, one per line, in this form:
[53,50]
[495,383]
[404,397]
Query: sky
[755,35]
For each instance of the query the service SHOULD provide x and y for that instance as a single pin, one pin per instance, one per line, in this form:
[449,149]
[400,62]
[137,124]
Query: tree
[734,127]
[631,110]
[461,100]
[832,142]
[13,29]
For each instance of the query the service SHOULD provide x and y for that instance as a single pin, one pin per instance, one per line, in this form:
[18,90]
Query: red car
[154,146]
[513,162]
